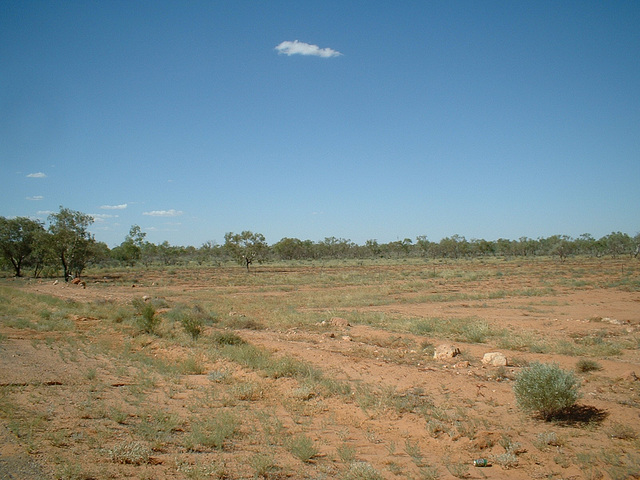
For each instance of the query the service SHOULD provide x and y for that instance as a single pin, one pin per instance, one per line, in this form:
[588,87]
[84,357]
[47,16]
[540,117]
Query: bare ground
[71,398]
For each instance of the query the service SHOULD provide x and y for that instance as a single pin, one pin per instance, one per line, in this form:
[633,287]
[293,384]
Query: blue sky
[361,120]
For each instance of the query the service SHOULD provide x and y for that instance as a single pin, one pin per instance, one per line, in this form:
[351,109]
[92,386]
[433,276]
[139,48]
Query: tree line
[65,246]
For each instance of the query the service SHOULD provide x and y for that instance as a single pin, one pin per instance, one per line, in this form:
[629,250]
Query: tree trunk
[17,266]
[65,267]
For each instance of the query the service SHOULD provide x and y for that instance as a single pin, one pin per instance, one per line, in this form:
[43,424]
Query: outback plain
[320,371]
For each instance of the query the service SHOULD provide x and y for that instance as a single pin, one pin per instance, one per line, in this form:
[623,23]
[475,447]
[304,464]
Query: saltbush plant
[546,390]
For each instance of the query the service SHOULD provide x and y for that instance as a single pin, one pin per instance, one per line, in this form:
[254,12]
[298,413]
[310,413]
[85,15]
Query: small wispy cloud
[35,198]
[301,48]
[163,213]
[37,175]
[101,217]
[114,207]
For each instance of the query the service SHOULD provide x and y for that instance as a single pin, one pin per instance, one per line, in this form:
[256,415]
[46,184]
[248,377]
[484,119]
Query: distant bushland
[65,248]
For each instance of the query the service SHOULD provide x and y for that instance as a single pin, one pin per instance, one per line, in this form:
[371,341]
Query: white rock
[495,359]
[446,351]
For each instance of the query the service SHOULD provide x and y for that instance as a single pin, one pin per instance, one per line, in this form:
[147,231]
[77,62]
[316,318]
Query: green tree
[399,248]
[71,240]
[293,249]
[454,247]
[18,240]
[526,246]
[246,247]
[619,243]
[332,247]
[504,246]
[130,250]
[481,247]
[585,244]
[561,245]
[373,247]
[43,254]
[210,251]
[169,254]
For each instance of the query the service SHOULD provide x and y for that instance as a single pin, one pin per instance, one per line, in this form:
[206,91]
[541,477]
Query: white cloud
[301,48]
[35,197]
[37,175]
[163,213]
[101,217]
[114,207]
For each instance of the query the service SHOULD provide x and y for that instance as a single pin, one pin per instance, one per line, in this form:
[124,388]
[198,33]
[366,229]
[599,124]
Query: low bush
[227,338]
[302,447]
[362,471]
[133,453]
[586,365]
[146,317]
[546,389]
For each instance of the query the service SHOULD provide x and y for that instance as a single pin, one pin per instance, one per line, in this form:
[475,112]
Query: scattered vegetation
[164,384]
[66,246]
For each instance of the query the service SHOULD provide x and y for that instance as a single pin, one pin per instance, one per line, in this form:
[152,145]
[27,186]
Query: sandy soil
[61,386]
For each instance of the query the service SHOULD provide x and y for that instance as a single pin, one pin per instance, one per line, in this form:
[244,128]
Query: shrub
[263,464]
[302,447]
[585,366]
[622,432]
[546,439]
[133,453]
[191,366]
[506,460]
[194,320]
[346,452]
[546,389]
[227,338]
[362,471]
[192,325]
[146,316]
[214,432]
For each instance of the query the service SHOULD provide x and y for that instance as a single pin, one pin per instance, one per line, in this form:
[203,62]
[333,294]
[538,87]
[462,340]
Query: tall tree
[561,245]
[619,243]
[246,247]
[18,240]
[130,250]
[71,239]
[293,249]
